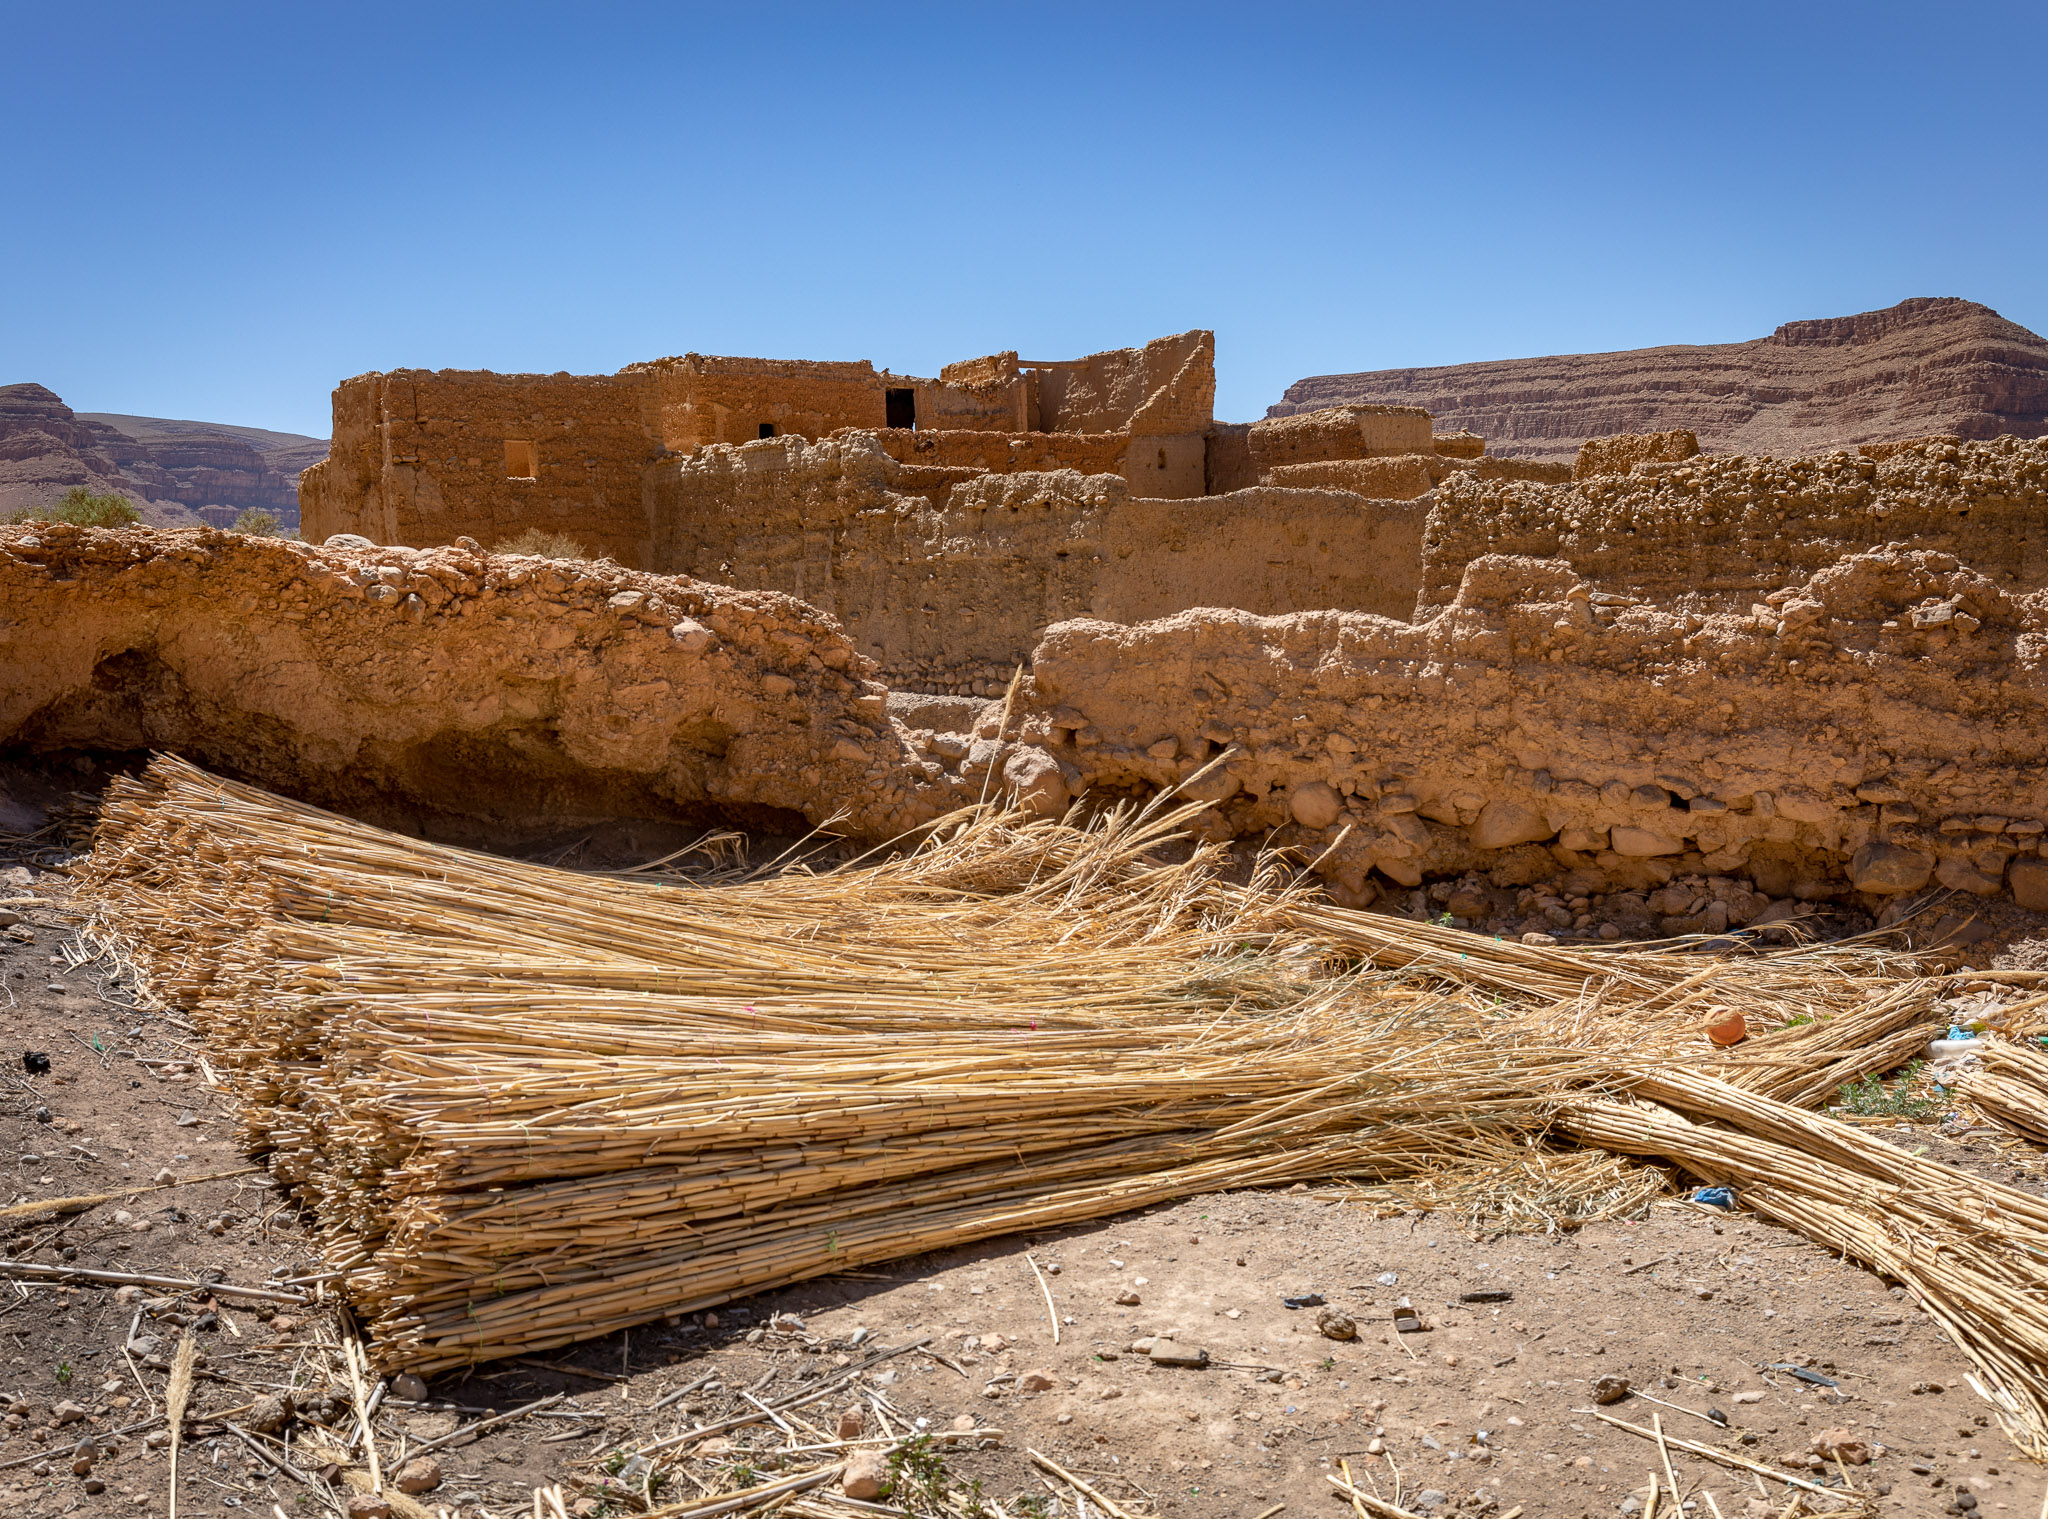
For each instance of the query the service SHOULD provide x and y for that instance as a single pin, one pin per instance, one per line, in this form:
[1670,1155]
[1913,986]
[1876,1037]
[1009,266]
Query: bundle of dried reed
[527,1106]
[2011,1087]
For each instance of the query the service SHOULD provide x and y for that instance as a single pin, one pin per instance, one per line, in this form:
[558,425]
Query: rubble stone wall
[1725,530]
[1877,732]
[1874,733]
[444,688]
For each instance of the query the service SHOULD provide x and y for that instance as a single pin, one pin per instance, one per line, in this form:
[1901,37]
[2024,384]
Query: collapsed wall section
[1872,733]
[1875,732]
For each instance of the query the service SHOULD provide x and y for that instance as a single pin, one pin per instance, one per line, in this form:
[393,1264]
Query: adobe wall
[420,458]
[1341,432]
[424,457]
[949,589]
[1165,389]
[700,399]
[1876,732]
[1724,530]
[1005,452]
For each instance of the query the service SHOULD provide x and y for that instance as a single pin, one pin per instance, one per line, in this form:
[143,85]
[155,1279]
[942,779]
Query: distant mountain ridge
[176,471]
[1926,366]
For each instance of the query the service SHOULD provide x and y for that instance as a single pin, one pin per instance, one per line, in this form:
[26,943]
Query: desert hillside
[1925,366]
[177,471]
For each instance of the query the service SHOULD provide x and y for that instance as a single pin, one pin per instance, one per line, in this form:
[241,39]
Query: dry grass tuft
[539,543]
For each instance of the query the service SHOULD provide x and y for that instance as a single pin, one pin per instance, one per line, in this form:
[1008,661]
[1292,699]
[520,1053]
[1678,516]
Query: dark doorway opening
[901,407]
[767,429]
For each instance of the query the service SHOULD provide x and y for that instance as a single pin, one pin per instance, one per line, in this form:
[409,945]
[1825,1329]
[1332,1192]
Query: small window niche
[900,407]
[767,429]
[521,462]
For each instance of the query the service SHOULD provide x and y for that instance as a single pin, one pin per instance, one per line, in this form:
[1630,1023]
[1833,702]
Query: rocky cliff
[177,471]
[1925,366]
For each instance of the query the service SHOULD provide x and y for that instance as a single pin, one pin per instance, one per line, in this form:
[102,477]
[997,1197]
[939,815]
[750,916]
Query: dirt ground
[1489,1407]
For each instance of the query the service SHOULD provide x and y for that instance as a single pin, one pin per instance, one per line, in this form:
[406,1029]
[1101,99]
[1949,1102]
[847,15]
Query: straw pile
[527,1106]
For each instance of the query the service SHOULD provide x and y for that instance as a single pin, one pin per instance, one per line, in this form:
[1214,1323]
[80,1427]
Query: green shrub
[258,523]
[84,508]
[543,545]
[1871,1098]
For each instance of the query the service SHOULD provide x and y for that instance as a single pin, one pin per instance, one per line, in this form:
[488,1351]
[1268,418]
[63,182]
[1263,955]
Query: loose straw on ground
[1052,1314]
[176,1395]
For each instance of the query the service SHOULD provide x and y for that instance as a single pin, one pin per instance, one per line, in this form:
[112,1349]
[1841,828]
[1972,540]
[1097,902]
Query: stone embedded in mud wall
[1874,728]
[473,692]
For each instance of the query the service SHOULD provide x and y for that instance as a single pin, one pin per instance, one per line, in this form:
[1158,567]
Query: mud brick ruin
[946,522]
[1645,690]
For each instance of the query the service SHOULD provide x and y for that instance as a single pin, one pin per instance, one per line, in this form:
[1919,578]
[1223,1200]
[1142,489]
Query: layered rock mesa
[176,471]
[1863,730]
[1927,366]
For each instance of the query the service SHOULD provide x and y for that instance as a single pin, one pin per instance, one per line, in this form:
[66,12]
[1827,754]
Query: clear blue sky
[217,211]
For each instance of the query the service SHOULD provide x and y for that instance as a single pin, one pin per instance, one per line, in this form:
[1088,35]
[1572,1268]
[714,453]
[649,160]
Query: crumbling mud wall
[1726,530]
[423,457]
[948,587]
[1876,731]
[1871,732]
[474,693]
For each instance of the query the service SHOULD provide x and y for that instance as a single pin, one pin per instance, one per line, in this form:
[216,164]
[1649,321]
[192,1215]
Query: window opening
[900,407]
[520,459]
[767,429]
